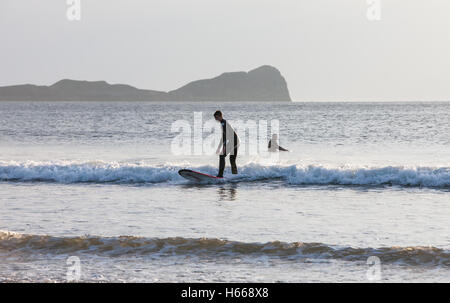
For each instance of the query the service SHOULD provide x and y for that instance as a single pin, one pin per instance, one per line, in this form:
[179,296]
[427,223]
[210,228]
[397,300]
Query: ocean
[90,192]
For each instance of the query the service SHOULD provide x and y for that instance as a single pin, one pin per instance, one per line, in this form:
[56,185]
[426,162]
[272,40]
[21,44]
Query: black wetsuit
[232,149]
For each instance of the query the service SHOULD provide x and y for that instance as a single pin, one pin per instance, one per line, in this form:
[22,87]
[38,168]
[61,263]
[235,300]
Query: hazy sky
[326,49]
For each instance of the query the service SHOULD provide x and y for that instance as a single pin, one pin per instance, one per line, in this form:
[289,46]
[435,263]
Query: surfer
[273,144]
[229,144]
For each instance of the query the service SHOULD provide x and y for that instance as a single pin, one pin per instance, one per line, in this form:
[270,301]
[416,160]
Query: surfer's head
[218,115]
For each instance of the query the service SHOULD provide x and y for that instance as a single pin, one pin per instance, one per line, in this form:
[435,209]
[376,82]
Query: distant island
[264,83]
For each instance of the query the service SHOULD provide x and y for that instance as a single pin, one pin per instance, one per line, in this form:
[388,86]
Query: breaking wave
[15,243]
[101,172]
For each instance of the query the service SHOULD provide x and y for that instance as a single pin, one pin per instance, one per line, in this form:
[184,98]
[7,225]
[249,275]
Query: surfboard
[196,176]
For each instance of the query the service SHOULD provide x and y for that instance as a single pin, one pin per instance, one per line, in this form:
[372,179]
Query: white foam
[100,172]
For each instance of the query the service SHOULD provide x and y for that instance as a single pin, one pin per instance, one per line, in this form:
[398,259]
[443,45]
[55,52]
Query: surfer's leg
[233,161]
[221,166]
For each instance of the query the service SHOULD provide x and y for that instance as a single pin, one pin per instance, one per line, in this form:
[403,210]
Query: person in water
[273,144]
[228,145]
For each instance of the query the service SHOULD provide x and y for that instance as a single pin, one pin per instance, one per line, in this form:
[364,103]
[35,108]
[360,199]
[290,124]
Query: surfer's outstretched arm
[282,149]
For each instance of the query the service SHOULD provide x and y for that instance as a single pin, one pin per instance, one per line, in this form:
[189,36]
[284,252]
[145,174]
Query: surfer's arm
[223,140]
[219,147]
[282,149]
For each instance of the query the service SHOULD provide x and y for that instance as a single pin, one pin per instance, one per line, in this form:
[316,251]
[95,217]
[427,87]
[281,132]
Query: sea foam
[129,173]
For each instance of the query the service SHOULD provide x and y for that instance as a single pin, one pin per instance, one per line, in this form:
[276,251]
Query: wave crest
[101,172]
[13,243]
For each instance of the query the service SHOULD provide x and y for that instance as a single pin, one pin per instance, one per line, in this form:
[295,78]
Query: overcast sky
[328,50]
